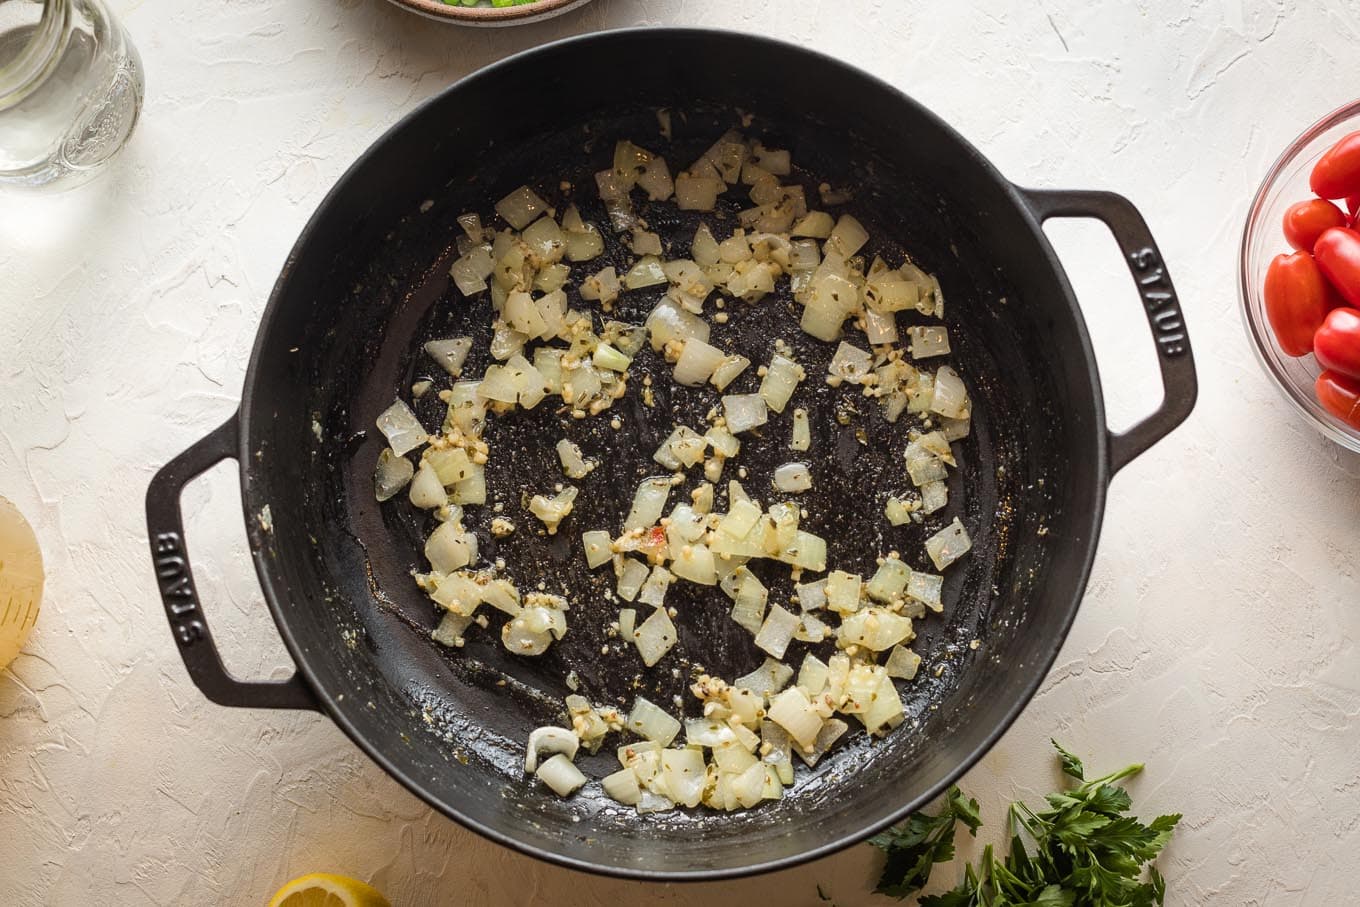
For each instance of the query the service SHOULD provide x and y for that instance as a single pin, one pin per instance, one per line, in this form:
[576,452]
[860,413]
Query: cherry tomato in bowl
[1340,396]
[1338,255]
[1337,172]
[1337,343]
[1304,222]
[1297,300]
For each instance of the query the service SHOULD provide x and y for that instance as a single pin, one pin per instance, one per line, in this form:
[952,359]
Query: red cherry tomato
[1305,221]
[1297,299]
[1352,205]
[1337,342]
[1337,252]
[1337,173]
[1340,396]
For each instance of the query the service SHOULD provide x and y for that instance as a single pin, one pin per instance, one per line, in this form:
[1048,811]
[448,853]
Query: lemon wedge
[322,889]
[21,581]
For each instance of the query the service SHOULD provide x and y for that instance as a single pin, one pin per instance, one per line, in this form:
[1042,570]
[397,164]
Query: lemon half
[322,889]
[21,581]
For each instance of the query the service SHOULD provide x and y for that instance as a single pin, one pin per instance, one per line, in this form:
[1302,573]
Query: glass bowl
[490,16]
[1262,240]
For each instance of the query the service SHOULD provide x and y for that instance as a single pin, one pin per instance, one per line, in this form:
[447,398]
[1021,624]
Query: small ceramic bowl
[1262,240]
[490,15]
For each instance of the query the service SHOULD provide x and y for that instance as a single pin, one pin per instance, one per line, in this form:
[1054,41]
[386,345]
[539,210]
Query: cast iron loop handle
[1163,309]
[165,529]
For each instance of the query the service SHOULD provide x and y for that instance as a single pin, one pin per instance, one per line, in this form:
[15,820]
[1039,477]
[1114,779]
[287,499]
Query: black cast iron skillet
[367,283]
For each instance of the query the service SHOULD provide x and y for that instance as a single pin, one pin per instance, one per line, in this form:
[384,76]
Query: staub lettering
[1164,311]
[177,588]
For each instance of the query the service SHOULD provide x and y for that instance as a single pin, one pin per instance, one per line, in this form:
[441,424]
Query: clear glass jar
[71,87]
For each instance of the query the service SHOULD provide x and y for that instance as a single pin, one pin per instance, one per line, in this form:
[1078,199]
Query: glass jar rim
[39,55]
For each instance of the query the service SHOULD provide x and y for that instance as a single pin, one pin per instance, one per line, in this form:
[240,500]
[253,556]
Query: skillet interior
[367,285]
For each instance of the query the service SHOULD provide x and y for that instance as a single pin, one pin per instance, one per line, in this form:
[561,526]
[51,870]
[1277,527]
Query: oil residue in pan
[855,461]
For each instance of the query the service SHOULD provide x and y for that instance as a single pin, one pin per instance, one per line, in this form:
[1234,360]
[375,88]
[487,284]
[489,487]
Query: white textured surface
[1218,637]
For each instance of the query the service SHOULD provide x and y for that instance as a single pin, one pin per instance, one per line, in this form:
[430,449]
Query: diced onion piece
[521,207]
[884,711]
[631,574]
[724,443]
[954,429]
[707,732]
[457,593]
[649,501]
[502,595]
[926,588]
[498,384]
[887,293]
[391,474]
[451,629]
[847,237]
[695,563]
[767,679]
[545,240]
[950,397]
[928,341]
[645,242]
[427,492]
[552,511]
[402,429]
[471,222]
[651,722]
[850,363]
[816,224]
[728,370]
[655,180]
[812,675]
[749,597]
[450,547]
[471,490]
[842,592]
[523,316]
[655,636]
[897,512]
[808,551]
[811,596]
[470,271]
[704,248]
[792,711]
[831,731]
[451,353]
[653,803]
[682,447]
[781,379]
[467,409]
[573,463]
[879,328]
[622,786]
[602,286]
[934,496]
[550,740]
[627,622]
[740,520]
[948,545]
[628,339]
[902,662]
[876,629]
[684,775]
[585,244]
[697,193]
[606,357]
[653,591]
[669,321]
[561,775]
[793,478]
[833,299]
[889,581]
[744,412]
[777,631]
[697,362]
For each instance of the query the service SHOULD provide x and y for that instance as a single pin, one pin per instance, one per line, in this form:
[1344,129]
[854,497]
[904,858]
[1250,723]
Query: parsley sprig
[1082,851]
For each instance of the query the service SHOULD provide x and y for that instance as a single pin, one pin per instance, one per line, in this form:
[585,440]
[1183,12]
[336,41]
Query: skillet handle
[1160,303]
[165,529]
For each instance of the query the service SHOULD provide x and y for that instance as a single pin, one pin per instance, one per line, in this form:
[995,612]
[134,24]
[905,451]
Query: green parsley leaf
[1071,765]
[914,847]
